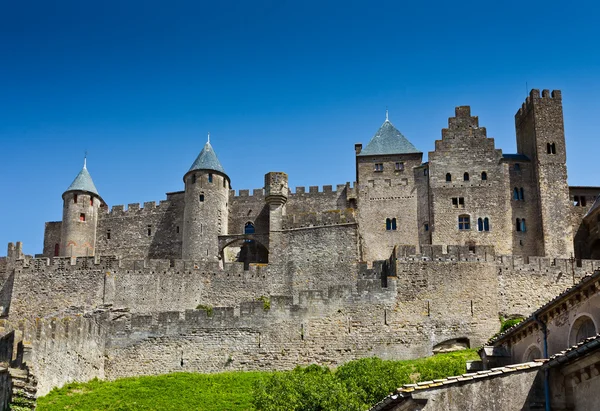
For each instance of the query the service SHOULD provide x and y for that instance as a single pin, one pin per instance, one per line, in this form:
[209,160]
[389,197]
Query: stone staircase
[24,388]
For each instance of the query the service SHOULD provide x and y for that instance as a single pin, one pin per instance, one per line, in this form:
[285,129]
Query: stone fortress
[412,258]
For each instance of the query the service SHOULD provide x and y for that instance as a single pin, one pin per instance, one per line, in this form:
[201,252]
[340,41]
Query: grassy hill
[355,385]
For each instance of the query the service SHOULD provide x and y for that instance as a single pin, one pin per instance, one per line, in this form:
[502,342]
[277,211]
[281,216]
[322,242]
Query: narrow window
[388,224]
[426,226]
[518,224]
[75,199]
[201,197]
[56,250]
[193,178]
[480,224]
[553,148]
[464,222]
[400,166]
[149,230]
[455,202]
[516,194]
[249,228]
[466,177]
[483,176]
[448,177]
[177,229]
[523,226]
[210,177]
[486,224]
[517,167]
[108,234]
[521,194]
[548,148]
[378,167]
[92,201]
[393,224]
[82,217]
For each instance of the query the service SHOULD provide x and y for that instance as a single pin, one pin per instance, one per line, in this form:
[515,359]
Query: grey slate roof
[388,140]
[207,160]
[83,182]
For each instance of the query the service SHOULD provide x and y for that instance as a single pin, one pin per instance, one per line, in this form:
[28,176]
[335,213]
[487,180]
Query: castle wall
[63,350]
[581,200]
[464,148]
[52,233]
[315,200]
[128,230]
[245,208]
[423,206]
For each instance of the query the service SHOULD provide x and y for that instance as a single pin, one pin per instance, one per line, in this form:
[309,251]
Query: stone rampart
[326,218]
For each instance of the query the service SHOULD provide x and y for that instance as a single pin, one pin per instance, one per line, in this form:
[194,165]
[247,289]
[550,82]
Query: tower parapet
[276,196]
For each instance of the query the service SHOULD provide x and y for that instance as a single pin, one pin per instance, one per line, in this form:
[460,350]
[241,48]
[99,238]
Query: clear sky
[281,85]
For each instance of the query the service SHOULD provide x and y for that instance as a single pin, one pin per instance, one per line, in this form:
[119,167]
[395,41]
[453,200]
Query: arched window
[516,194]
[393,223]
[480,224]
[532,353]
[523,226]
[249,228]
[483,176]
[448,177]
[464,222]
[521,194]
[518,224]
[388,224]
[486,224]
[466,177]
[582,328]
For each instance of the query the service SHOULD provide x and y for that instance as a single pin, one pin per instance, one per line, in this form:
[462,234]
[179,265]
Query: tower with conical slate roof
[387,195]
[205,214]
[81,204]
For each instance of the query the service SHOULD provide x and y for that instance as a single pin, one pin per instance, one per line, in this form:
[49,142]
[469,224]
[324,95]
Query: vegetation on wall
[353,386]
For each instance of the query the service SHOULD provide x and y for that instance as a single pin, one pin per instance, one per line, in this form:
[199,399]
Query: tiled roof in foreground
[406,390]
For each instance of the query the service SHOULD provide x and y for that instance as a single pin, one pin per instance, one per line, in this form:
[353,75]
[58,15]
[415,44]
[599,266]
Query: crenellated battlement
[449,253]
[326,189]
[326,218]
[534,94]
[137,208]
[256,193]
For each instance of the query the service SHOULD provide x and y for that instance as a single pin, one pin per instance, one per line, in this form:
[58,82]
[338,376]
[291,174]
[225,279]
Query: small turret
[205,214]
[276,195]
[80,216]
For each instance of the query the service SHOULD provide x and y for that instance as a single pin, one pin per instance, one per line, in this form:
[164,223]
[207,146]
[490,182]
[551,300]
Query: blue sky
[281,86]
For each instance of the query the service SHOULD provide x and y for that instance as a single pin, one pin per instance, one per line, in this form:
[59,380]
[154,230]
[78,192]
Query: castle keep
[410,259]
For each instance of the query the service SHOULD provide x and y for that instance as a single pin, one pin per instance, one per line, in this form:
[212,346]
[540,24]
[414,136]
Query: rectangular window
[458,202]
[149,230]
[177,229]
[426,226]
[82,217]
[464,222]
[201,198]
[75,199]
[210,177]
[92,201]
[455,202]
[108,234]
[378,167]
[400,166]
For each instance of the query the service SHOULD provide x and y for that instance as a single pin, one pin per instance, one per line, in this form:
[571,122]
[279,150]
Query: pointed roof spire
[388,140]
[207,159]
[387,117]
[83,181]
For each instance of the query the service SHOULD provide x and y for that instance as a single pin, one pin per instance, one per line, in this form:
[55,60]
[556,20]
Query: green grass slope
[353,386]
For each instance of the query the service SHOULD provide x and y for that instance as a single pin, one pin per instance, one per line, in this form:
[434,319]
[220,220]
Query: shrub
[207,308]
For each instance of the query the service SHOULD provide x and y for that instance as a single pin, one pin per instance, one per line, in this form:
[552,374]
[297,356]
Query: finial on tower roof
[85,160]
[387,117]
[208,137]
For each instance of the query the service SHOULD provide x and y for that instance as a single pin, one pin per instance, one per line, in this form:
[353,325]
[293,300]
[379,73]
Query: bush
[207,308]
[506,324]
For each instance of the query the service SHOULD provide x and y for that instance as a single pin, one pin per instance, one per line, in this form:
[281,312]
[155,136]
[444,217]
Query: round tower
[81,204]
[205,214]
